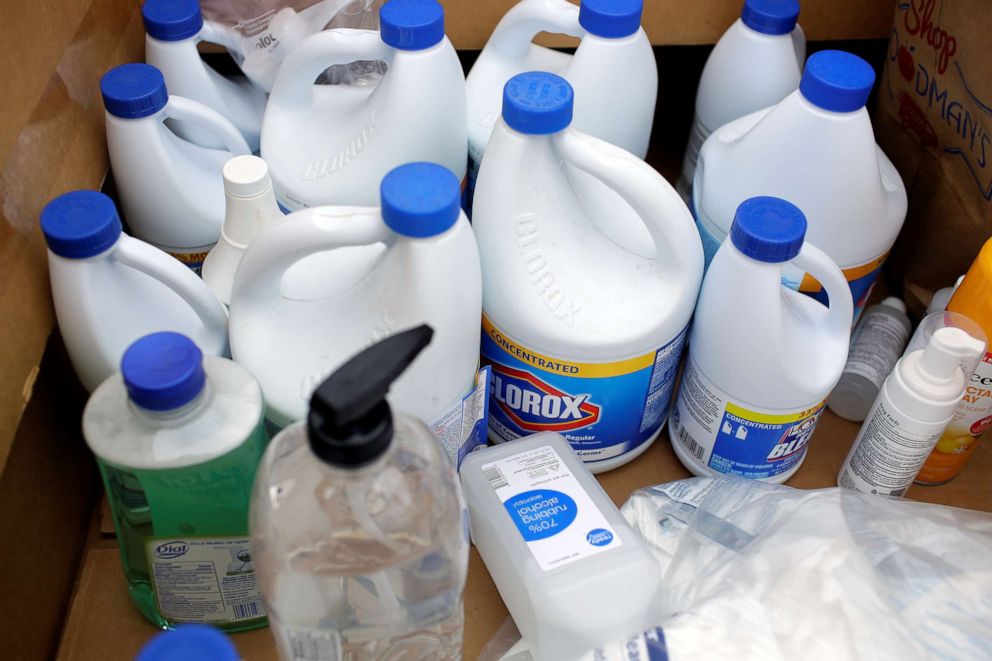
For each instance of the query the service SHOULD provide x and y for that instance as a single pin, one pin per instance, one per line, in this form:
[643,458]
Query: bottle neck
[178,416]
[245,217]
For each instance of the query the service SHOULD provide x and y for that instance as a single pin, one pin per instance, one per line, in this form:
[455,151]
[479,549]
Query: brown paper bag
[934,120]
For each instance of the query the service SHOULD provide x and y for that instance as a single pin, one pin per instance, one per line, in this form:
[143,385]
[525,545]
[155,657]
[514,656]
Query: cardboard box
[51,141]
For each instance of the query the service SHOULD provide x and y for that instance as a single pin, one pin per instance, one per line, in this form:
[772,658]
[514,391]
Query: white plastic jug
[110,289]
[171,190]
[583,334]
[755,64]
[333,144]
[251,207]
[816,149]
[293,322]
[613,71]
[173,28]
[762,357]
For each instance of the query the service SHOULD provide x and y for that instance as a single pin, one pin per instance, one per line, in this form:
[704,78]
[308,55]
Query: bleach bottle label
[604,410]
[730,437]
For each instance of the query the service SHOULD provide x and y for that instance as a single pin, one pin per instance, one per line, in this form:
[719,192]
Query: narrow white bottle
[358,523]
[942,297]
[913,409]
[171,190]
[173,28]
[877,343]
[109,289]
[251,207]
[762,358]
[755,64]
[571,571]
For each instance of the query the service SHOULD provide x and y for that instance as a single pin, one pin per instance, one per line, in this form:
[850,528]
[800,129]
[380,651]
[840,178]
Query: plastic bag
[758,571]
[259,34]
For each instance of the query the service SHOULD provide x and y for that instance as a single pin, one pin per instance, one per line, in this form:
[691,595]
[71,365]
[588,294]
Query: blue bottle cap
[80,224]
[768,229]
[770,16]
[420,199]
[189,642]
[163,371]
[133,90]
[837,81]
[411,24]
[172,20]
[610,19]
[537,103]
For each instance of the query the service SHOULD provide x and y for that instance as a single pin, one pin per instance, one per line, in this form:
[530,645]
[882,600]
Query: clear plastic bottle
[178,438]
[878,342]
[358,524]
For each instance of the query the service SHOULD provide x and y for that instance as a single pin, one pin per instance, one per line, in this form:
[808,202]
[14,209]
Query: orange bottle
[973,416]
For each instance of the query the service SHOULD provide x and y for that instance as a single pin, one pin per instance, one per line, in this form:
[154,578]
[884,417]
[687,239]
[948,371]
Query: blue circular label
[599,537]
[541,513]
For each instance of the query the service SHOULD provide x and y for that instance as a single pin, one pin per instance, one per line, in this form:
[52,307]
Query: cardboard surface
[103,624]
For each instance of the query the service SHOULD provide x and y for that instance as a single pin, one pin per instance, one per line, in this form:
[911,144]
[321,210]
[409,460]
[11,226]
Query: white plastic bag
[758,571]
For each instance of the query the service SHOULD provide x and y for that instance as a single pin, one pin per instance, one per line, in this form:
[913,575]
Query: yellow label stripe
[811,284]
[770,418]
[557,366]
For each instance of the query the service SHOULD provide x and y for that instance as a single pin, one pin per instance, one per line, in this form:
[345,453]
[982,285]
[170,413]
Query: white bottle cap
[246,176]
[948,349]
[894,302]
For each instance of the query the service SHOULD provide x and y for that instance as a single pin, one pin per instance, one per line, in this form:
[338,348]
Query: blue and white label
[604,410]
[554,515]
[462,428]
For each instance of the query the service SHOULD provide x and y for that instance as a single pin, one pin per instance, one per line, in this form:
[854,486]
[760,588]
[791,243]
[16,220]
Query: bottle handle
[513,34]
[658,205]
[170,272]
[294,82]
[187,110]
[277,248]
[840,312]
[213,33]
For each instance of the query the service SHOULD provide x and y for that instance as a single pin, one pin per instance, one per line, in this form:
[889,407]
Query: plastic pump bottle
[109,289]
[189,642]
[878,341]
[914,407]
[762,358]
[178,438]
[333,144]
[251,207]
[315,289]
[358,522]
[613,70]
[173,28]
[816,149]
[755,64]
[171,190]
[583,327]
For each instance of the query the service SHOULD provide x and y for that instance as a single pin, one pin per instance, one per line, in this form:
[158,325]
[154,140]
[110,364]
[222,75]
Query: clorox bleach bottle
[173,28]
[762,357]
[584,335]
[755,64]
[292,325]
[171,190]
[251,207]
[333,144]
[613,71]
[816,148]
[109,289]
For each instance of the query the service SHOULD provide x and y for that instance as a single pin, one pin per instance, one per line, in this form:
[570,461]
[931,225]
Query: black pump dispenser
[350,423]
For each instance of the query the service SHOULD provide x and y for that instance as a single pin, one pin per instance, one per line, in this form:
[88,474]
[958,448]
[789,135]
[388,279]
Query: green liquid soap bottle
[178,438]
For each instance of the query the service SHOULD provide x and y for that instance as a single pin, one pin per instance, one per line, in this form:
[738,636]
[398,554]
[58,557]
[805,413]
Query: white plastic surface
[617,241]
[766,346]
[826,163]
[106,302]
[171,190]
[615,80]
[565,611]
[314,290]
[333,144]
[746,71]
[251,207]
[187,75]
